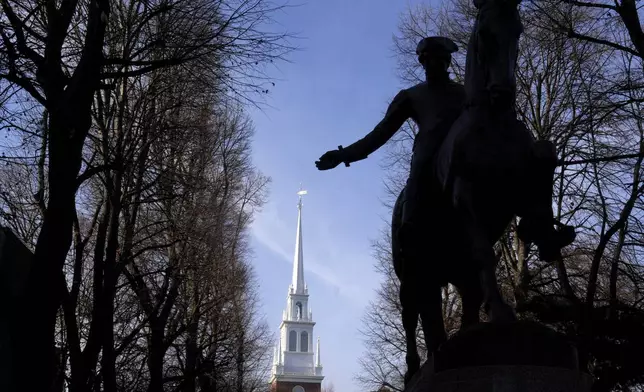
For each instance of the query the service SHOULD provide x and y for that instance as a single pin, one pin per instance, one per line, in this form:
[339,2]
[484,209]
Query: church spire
[298,261]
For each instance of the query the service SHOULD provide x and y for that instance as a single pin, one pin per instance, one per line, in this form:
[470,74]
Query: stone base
[501,379]
[521,356]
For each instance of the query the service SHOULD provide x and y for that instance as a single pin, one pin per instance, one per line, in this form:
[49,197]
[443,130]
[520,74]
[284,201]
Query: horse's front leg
[481,253]
[431,315]
[471,301]
[408,298]
[409,303]
[495,306]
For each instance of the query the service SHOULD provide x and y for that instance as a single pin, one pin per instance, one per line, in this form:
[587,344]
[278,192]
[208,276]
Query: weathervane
[300,193]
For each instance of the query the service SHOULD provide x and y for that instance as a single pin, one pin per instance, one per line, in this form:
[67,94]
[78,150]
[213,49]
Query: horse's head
[498,28]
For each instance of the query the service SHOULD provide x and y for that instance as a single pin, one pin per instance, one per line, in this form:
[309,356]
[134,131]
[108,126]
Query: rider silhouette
[433,105]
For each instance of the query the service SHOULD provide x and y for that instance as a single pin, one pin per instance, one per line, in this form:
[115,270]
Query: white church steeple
[295,360]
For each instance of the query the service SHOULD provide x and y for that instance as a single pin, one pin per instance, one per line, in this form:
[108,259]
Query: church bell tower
[296,366]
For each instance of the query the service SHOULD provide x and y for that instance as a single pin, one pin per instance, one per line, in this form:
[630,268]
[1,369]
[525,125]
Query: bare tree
[83,64]
[612,24]
[328,387]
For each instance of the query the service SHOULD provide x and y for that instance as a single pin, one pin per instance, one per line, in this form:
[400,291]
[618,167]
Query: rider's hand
[330,159]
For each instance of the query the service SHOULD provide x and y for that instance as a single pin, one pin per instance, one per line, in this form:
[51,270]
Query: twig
[597,160]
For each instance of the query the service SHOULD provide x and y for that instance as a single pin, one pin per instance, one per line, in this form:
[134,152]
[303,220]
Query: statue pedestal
[521,356]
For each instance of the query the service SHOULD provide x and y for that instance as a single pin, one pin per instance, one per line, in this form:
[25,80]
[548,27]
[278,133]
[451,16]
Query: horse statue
[488,170]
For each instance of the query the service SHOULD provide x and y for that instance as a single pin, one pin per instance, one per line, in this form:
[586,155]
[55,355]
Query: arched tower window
[299,311]
[304,342]
[292,341]
[298,388]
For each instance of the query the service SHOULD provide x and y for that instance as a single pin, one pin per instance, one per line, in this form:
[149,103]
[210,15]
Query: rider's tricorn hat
[436,45]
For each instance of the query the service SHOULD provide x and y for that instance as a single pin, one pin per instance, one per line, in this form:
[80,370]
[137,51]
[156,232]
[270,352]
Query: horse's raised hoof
[563,236]
[549,240]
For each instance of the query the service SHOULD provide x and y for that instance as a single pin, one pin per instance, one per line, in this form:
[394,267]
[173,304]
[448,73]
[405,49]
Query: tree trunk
[192,331]
[69,106]
[614,269]
[191,358]
[240,361]
[155,359]
[43,293]
[110,277]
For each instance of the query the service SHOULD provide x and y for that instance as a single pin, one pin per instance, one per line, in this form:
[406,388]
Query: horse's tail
[396,222]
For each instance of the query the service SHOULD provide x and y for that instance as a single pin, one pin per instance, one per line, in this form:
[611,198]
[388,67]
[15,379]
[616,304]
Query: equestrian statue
[474,167]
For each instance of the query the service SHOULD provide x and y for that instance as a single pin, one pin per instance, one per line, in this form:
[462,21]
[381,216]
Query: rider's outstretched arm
[397,113]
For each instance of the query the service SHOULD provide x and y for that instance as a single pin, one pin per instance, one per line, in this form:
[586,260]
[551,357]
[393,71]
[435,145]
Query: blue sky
[333,92]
